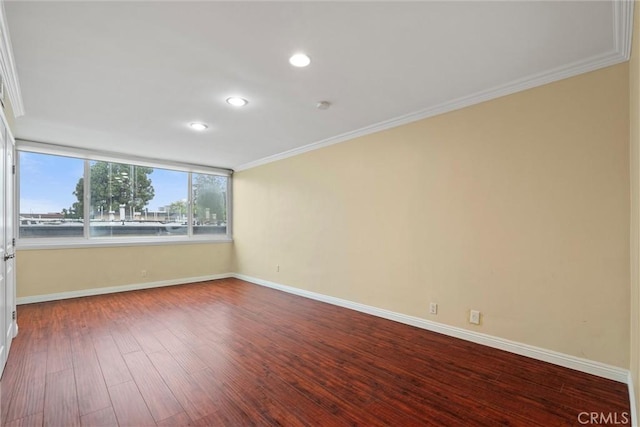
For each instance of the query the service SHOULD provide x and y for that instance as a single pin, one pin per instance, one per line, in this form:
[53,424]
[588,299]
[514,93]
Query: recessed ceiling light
[299,60]
[237,101]
[198,126]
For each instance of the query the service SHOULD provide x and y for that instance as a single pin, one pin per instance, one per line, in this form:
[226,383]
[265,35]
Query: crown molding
[623,28]
[8,66]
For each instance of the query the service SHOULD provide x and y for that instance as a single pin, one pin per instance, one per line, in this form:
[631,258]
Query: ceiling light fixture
[300,60]
[236,101]
[198,126]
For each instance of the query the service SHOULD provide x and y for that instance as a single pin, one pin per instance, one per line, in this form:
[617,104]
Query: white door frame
[8,322]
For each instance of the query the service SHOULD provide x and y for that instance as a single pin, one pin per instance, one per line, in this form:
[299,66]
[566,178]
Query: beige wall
[518,207]
[634,113]
[41,272]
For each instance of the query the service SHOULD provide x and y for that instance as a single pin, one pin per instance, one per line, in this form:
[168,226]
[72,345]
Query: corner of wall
[634,166]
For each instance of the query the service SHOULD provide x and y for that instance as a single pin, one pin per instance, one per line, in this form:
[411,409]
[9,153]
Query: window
[48,205]
[122,201]
[129,200]
[209,194]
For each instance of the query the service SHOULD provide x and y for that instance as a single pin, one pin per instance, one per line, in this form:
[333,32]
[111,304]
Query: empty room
[319,213]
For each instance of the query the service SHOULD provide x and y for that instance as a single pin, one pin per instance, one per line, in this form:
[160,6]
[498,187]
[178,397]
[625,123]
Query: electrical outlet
[143,273]
[474,317]
[278,268]
[433,308]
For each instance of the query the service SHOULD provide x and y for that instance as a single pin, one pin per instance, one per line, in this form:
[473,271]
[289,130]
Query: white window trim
[87,241]
[107,156]
[105,242]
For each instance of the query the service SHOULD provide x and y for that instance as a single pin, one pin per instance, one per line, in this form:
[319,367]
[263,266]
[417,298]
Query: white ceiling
[128,77]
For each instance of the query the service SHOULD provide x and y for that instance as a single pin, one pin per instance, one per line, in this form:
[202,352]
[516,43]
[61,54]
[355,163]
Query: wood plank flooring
[229,353]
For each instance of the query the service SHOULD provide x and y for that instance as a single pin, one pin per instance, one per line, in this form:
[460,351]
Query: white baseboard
[561,359]
[114,289]
[632,400]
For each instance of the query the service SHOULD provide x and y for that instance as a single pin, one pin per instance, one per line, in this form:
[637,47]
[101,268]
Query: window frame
[88,156]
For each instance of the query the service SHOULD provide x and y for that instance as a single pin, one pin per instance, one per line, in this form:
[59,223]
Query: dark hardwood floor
[229,353]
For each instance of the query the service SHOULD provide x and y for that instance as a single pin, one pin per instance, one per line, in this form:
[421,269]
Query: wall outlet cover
[474,317]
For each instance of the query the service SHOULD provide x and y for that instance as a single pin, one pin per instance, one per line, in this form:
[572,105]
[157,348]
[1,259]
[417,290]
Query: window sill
[37,244]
